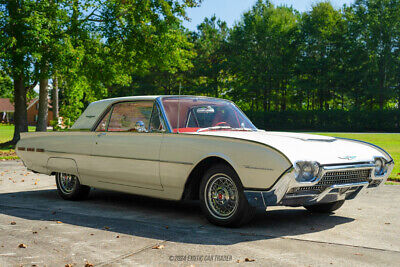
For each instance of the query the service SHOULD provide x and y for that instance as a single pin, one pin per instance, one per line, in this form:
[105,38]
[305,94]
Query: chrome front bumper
[288,192]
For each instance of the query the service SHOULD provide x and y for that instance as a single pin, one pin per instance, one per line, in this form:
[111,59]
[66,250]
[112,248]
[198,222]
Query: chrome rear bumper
[334,183]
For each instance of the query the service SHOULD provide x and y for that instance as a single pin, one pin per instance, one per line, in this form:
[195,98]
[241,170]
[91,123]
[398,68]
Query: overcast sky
[231,10]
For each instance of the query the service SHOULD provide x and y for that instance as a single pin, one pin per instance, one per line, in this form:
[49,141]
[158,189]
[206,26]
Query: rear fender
[66,165]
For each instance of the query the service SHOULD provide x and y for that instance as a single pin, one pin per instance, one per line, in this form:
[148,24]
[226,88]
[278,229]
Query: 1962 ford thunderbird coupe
[188,147]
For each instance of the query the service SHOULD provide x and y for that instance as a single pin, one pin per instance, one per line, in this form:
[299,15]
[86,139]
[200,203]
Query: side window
[125,115]
[156,123]
[191,120]
[103,124]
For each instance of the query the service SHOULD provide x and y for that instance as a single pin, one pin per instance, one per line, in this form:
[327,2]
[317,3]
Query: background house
[33,110]
[7,111]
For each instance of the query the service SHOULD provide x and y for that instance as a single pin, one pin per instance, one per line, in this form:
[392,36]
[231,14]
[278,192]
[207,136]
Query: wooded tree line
[277,59]
[273,59]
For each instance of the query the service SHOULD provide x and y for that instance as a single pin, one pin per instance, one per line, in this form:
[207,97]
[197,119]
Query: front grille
[345,177]
[318,188]
[337,178]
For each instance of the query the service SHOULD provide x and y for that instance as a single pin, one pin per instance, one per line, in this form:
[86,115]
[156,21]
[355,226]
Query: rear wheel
[325,207]
[222,198]
[69,187]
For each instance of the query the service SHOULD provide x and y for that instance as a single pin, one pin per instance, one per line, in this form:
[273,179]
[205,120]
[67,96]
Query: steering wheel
[221,122]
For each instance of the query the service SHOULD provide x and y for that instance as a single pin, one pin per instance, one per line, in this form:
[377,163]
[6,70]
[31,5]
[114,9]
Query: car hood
[297,146]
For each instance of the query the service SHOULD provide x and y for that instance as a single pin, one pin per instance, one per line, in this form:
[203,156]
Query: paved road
[114,229]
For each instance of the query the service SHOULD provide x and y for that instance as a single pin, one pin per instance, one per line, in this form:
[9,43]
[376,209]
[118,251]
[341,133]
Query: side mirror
[140,127]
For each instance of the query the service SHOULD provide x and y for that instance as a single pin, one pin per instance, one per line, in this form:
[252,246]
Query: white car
[191,147]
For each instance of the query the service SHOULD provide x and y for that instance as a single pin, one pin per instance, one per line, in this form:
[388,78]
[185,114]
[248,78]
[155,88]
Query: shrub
[330,120]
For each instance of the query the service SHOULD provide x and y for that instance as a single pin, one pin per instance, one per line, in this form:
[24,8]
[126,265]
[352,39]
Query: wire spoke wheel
[221,196]
[67,182]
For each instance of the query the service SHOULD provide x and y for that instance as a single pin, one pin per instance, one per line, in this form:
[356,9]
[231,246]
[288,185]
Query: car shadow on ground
[160,219]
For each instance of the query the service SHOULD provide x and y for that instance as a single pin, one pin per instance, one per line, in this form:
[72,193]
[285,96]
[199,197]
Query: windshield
[204,114]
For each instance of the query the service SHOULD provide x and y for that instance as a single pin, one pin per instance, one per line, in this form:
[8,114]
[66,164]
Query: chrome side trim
[106,182]
[257,168]
[103,156]
[118,157]
[70,153]
[176,162]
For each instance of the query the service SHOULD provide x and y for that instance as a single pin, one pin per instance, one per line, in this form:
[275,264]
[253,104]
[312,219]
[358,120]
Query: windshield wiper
[243,129]
[225,127]
[214,128]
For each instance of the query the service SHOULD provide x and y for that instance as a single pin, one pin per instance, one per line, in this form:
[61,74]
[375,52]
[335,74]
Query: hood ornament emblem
[348,157]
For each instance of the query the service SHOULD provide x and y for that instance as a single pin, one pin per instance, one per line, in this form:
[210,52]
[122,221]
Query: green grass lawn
[7,131]
[6,134]
[389,142]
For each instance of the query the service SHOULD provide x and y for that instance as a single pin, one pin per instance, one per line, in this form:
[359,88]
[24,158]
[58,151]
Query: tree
[209,44]
[262,54]
[55,101]
[6,85]
[18,37]
[321,33]
[49,50]
[379,30]
[123,40]
[92,45]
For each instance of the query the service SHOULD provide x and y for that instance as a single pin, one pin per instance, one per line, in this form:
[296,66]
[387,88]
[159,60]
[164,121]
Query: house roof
[35,100]
[6,105]
[32,102]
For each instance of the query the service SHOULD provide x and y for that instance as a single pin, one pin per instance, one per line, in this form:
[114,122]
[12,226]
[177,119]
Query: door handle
[101,134]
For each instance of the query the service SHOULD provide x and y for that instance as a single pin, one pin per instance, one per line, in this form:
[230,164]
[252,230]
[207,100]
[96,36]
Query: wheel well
[191,191]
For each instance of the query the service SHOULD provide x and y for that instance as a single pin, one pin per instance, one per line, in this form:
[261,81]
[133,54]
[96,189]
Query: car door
[126,150]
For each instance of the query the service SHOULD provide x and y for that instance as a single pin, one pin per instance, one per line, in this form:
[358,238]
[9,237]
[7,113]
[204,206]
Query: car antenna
[179,105]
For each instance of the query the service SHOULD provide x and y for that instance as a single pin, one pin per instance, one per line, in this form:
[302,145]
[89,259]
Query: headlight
[380,166]
[306,171]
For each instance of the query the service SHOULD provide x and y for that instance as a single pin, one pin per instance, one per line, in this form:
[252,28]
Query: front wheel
[69,187]
[222,198]
[325,207]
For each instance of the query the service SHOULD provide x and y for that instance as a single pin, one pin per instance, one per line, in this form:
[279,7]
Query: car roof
[96,109]
[147,97]
[126,98]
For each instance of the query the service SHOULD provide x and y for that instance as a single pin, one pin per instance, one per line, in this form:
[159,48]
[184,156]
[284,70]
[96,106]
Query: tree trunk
[312,100]
[55,99]
[357,100]
[41,125]
[265,99]
[20,114]
[320,99]
[269,93]
[283,99]
[216,87]
[381,90]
